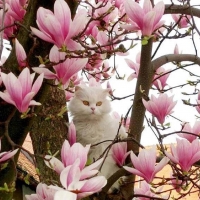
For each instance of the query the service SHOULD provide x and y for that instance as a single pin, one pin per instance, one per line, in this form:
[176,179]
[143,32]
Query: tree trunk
[144,81]
[52,131]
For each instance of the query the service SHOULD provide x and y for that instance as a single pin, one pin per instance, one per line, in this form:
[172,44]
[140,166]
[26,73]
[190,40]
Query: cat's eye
[99,103]
[86,103]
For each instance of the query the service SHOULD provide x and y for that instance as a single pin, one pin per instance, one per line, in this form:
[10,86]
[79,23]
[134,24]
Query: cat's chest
[91,133]
[88,128]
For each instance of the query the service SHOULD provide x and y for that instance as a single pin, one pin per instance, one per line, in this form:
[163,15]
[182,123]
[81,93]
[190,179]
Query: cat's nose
[92,108]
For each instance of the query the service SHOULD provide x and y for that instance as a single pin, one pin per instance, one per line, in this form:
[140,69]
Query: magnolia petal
[72,133]
[148,23]
[132,65]
[42,13]
[72,45]
[135,12]
[78,23]
[47,73]
[195,158]
[65,148]
[147,6]
[91,170]
[102,37]
[26,102]
[63,195]
[55,55]
[161,164]
[171,157]
[94,184]
[41,35]
[6,97]
[34,103]
[13,87]
[130,27]
[63,14]
[131,77]
[78,151]
[159,9]
[20,53]
[133,171]
[26,81]
[37,84]
[8,155]
[72,68]
[31,197]
[70,176]
[54,163]
[55,30]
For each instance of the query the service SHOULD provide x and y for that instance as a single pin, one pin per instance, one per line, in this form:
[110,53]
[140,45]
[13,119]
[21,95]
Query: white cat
[90,110]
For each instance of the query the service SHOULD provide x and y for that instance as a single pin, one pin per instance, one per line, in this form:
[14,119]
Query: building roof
[25,165]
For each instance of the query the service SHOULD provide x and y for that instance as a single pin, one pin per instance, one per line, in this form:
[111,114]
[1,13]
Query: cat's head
[90,101]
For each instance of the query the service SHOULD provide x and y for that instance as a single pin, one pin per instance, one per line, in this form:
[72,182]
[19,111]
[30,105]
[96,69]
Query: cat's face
[90,101]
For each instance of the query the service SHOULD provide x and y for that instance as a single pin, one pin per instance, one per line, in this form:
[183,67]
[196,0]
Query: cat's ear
[79,92]
[106,92]
[77,88]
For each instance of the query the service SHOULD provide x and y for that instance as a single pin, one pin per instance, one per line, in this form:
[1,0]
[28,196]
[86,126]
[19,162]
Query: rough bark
[49,134]
[53,131]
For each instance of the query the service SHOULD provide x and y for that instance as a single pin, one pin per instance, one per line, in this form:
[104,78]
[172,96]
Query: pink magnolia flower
[146,19]
[100,9]
[176,183]
[95,62]
[72,134]
[185,154]
[63,70]
[160,107]
[71,180]
[160,78]
[134,66]
[17,9]
[8,21]
[119,152]
[144,190]
[187,128]
[58,27]
[145,164]
[69,155]
[43,192]
[15,12]
[183,20]
[6,155]
[120,5]
[20,91]
[20,53]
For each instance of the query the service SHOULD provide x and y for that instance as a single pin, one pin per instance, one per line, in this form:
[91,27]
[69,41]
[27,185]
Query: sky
[185,113]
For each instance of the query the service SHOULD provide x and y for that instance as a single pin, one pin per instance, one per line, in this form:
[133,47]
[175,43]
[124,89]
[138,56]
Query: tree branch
[158,62]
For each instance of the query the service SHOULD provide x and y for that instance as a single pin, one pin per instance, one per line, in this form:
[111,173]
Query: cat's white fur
[94,124]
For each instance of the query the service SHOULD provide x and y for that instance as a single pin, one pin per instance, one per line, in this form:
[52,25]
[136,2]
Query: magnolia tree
[57,43]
